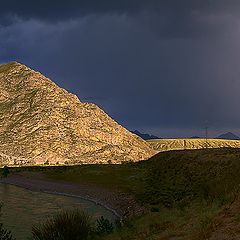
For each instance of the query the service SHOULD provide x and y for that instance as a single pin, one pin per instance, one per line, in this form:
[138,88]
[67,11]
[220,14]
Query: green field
[185,192]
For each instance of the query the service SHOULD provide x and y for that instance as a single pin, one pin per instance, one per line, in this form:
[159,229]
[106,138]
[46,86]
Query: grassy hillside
[162,145]
[191,194]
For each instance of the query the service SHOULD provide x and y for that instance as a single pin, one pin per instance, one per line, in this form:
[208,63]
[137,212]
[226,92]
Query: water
[23,208]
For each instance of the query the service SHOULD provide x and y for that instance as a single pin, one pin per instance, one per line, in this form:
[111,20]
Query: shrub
[65,225]
[5,171]
[155,209]
[5,234]
[104,226]
[118,223]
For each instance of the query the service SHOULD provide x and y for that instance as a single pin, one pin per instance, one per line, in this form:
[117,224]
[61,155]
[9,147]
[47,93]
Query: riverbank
[121,204]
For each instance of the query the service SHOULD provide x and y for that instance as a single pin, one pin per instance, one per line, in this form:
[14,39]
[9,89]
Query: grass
[203,174]
[183,191]
[126,177]
[190,223]
[207,173]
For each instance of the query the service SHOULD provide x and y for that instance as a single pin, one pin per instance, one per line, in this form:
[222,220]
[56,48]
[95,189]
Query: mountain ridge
[145,136]
[228,136]
[41,123]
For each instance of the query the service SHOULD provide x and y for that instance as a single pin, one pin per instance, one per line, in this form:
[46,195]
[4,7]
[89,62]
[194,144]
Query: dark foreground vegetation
[4,233]
[184,192]
[71,225]
[67,225]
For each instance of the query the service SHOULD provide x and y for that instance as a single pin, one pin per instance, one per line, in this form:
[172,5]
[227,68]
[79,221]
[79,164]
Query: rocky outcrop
[41,123]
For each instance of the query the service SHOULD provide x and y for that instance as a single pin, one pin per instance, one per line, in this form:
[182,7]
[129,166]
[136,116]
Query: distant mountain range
[145,136]
[228,136]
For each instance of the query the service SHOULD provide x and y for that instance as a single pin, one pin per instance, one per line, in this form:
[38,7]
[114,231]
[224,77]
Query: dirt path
[120,204]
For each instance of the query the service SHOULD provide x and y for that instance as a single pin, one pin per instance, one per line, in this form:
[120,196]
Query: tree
[5,171]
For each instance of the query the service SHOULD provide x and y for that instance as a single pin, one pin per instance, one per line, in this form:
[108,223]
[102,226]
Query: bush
[104,226]
[5,171]
[65,225]
[4,234]
[155,209]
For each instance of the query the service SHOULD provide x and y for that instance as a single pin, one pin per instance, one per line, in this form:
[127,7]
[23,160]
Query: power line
[206,135]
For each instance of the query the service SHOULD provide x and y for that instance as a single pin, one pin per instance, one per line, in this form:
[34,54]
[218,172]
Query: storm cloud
[164,67]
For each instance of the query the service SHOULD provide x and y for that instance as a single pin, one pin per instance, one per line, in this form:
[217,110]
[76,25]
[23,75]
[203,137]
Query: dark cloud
[169,18]
[159,66]
[60,10]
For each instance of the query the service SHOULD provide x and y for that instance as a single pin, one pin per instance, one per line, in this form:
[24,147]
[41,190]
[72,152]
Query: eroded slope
[43,123]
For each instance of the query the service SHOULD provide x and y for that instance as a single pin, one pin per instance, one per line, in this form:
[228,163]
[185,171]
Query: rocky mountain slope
[41,123]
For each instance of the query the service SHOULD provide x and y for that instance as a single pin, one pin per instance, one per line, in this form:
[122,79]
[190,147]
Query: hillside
[198,143]
[41,123]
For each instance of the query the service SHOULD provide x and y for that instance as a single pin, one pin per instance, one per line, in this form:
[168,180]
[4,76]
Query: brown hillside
[43,123]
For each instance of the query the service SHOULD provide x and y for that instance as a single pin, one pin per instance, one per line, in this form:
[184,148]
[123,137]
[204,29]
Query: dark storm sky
[160,66]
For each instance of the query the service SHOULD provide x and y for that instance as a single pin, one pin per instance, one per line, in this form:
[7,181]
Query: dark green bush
[65,225]
[155,209]
[118,223]
[5,171]
[104,226]
[4,234]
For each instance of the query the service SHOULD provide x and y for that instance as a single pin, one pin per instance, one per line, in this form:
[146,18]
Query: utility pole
[206,135]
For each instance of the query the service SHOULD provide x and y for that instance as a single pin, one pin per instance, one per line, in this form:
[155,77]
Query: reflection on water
[23,208]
